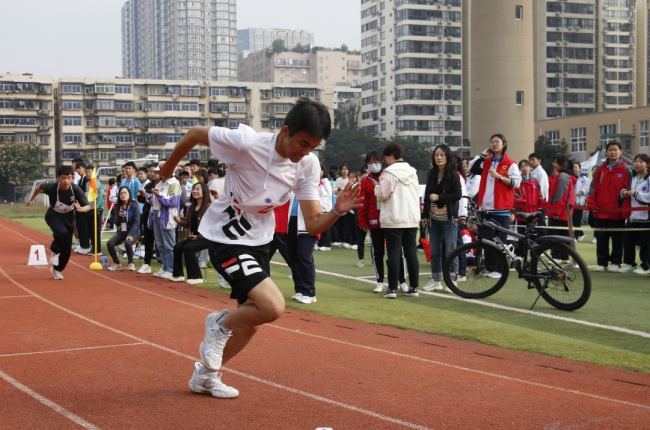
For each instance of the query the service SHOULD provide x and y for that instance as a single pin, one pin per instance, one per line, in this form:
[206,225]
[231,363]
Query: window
[72,138]
[519,98]
[553,137]
[519,12]
[71,120]
[607,134]
[643,134]
[578,139]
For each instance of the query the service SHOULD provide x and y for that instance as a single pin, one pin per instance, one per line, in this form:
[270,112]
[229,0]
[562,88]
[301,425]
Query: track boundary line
[83,348]
[47,402]
[307,394]
[17,297]
[617,329]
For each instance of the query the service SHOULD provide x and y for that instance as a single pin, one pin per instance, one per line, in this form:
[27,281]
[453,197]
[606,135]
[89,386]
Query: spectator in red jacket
[561,199]
[528,197]
[608,207]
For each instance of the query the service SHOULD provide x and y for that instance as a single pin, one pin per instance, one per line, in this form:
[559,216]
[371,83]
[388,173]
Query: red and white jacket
[492,194]
[528,197]
[561,196]
[604,198]
[368,217]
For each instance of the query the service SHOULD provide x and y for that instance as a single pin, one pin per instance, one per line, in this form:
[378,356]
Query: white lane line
[47,402]
[416,358]
[85,348]
[502,307]
[17,297]
[309,395]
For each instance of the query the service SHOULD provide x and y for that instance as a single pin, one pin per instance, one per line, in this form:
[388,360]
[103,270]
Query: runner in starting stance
[264,168]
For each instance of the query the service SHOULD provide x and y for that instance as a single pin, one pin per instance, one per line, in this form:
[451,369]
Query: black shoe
[412,292]
[390,294]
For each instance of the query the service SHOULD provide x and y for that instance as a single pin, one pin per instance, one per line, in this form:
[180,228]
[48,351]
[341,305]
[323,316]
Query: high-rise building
[251,40]
[171,39]
[411,59]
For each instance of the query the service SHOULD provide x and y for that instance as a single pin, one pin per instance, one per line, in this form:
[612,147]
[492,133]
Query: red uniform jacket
[504,196]
[368,212]
[561,193]
[604,198]
[528,198]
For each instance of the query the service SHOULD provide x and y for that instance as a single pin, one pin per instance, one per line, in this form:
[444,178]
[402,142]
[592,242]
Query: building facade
[322,67]
[187,40]
[27,114]
[411,61]
[251,40]
[584,134]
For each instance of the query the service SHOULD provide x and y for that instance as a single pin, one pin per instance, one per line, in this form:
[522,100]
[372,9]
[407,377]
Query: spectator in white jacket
[539,174]
[639,194]
[399,196]
[582,186]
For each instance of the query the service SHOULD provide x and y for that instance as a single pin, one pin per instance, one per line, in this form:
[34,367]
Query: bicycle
[564,284]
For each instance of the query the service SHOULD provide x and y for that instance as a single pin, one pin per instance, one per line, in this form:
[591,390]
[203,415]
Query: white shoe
[145,268]
[177,278]
[204,381]
[354,247]
[296,296]
[614,268]
[600,269]
[305,300]
[84,251]
[194,281]
[131,267]
[214,340]
[361,263]
[641,271]
[54,259]
[336,243]
[626,268]
[203,264]
[223,283]
[594,240]
[493,275]
[379,288]
[461,279]
[159,273]
[390,294]
[315,247]
[346,245]
[167,275]
[431,285]
[324,248]
[115,267]
[404,287]
[56,274]
[580,239]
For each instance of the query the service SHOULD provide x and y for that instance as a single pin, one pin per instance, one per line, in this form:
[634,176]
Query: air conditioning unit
[129,128]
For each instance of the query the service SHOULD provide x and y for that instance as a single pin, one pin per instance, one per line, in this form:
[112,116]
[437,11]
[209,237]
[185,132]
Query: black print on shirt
[238,224]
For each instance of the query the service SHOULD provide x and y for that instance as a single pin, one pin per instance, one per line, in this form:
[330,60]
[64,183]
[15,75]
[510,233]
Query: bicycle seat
[530,218]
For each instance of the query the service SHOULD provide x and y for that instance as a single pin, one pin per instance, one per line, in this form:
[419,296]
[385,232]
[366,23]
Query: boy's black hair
[309,116]
[394,149]
[63,170]
[129,164]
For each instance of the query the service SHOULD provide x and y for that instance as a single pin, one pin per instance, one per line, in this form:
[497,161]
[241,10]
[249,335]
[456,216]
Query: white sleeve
[308,179]
[225,144]
[462,203]
[515,175]
[543,184]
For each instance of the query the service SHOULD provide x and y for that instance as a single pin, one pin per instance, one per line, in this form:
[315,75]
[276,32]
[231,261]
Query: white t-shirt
[258,180]
[218,185]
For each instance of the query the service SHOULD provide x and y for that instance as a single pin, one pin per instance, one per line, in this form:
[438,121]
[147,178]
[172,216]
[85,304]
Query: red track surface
[115,351]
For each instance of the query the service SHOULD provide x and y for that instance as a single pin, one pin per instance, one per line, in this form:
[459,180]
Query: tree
[301,48]
[349,146]
[344,48]
[546,150]
[278,45]
[347,116]
[20,163]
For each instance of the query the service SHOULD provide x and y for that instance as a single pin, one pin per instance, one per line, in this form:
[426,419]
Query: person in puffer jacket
[639,195]
[398,193]
[609,209]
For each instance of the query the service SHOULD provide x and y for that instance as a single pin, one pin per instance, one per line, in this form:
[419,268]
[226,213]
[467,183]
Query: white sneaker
[84,251]
[214,340]
[177,278]
[600,269]
[431,285]
[305,300]
[379,288]
[614,268]
[346,245]
[145,268]
[626,268]
[54,259]
[336,243]
[223,283]
[493,275]
[324,248]
[204,381]
[361,263]
[404,287]
[194,281]
[167,275]
[115,267]
[159,273]
[461,279]
[203,264]
[355,247]
[131,267]
[594,240]
[641,271]
[390,294]
[296,296]
[316,247]
[56,274]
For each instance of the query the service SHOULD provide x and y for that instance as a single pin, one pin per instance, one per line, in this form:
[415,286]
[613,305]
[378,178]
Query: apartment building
[251,40]
[108,121]
[184,40]
[322,67]
[27,114]
[584,134]
[412,68]
[591,56]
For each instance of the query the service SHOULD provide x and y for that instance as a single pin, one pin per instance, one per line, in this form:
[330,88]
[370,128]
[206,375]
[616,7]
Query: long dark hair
[450,167]
[205,199]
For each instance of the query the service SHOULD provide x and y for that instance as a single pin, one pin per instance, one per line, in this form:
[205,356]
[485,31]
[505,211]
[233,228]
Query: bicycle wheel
[480,282]
[564,284]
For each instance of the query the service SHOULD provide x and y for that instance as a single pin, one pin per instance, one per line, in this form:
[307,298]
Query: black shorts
[244,267]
